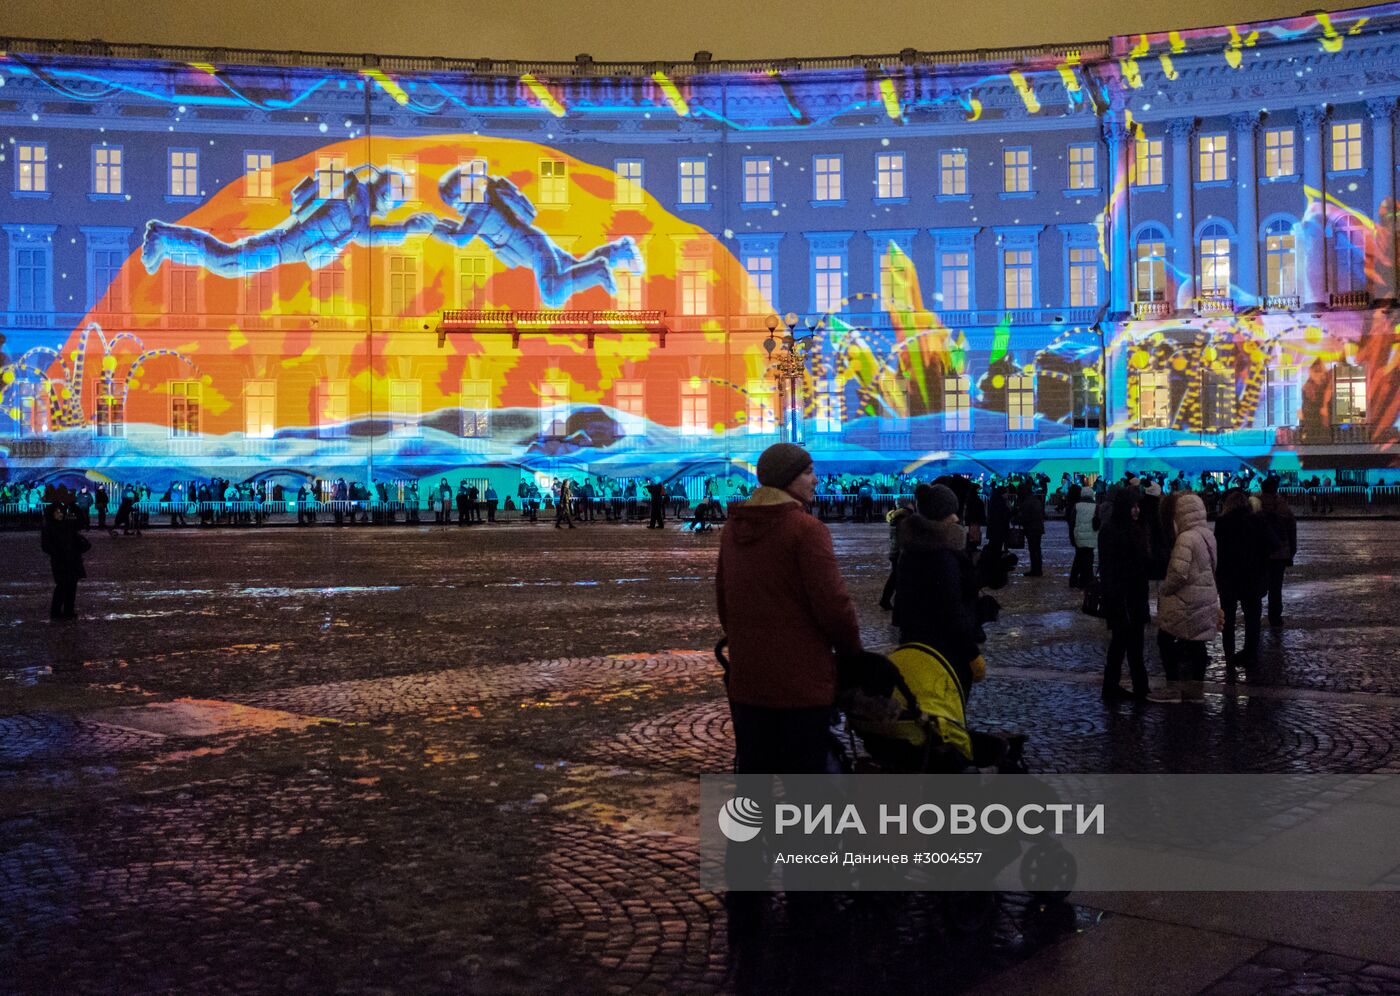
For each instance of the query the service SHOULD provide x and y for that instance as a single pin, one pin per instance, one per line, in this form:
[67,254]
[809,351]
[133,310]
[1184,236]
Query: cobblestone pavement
[408,760]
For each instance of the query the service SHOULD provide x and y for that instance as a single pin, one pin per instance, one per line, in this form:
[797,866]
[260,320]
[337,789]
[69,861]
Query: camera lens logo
[740,819]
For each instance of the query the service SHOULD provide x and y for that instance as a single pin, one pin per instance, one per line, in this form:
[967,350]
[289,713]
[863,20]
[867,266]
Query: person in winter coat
[1030,516]
[786,614]
[1085,538]
[893,518]
[1123,568]
[1241,575]
[65,546]
[1283,532]
[1188,605]
[998,521]
[1150,517]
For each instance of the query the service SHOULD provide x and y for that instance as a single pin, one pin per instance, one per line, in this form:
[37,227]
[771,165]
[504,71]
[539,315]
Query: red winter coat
[782,604]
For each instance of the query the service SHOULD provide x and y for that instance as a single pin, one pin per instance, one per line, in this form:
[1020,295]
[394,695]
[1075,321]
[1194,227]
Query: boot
[1168,694]
[1193,691]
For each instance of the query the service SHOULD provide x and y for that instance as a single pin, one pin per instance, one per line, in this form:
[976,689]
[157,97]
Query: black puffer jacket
[1242,545]
[1124,562]
[936,590]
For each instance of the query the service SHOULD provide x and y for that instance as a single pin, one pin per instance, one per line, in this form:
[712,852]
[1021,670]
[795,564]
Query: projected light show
[1171,250]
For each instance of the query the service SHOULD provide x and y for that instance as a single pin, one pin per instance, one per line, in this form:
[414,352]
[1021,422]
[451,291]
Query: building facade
[1163,250]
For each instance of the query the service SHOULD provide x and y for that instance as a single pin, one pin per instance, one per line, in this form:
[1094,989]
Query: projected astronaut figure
[495,211]
[318,230]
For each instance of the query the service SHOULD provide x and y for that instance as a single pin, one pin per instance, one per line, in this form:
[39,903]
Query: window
[694,178]
[257,174]
[403,283]
[1348,255]
[1147,162]
[758,181]
[957,403]
[889,175]
[182,278]
[332,295]
[1018,276]
[695,407]
[405,406]
[259,409]
[1086,403]
[184,173]
[629,289]
[1083,168]
[403,178]
[476,409]
[1083,276]
[333,409]
[1215,261]
[32,269]
[829,281]
[109,417]
[1154,399]
[627,183]
[629,398]
[1346,146]
[1016,171]
[1280,260]
[32,165]
[105,280]
[896,279]
[1214,158]
[759,299]
[107,171]
[186,398]
[330,177]
[1349,394]
[893,399]
[472,179]
[554,183]
[1282,393]
[826,178]
[1217,401]
[952,173]
[259,284]
[694,279]
[827,412]
[1020,402]
[1151,269]
[554,407]
[471,280]
[955,272]
[1278,152]
[762,415]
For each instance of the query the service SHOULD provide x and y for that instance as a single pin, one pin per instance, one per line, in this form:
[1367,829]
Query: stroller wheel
[1048,872]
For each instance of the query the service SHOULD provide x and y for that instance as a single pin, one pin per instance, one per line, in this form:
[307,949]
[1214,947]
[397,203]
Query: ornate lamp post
[789,367]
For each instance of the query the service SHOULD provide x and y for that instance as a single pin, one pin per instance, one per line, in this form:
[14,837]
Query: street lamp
[789,366]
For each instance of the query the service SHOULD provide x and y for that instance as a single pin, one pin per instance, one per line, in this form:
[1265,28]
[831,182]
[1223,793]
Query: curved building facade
[1172,249]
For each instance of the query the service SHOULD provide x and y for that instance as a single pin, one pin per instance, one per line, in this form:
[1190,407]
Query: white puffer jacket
[1085,536]
[1188,604]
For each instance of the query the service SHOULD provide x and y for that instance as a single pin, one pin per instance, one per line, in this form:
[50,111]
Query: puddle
[293,592]
[200,718]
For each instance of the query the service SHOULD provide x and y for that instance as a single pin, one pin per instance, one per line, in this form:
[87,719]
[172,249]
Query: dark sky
[620,30]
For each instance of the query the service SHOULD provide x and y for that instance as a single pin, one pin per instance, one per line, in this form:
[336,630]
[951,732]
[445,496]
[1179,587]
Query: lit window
[1083,172]
[952,172]
[1086,399]
[629,398]
[184,173]
[1018,275]
[182,283]
[629,290]
[1083,277]
[32,162]
[896,280]
[1346,145]
[1151,267]
[1349,394]
[1147,162]
[826,178]
[472,181]
[695,285]
[333,409]
[627,188]
[259,409]
[758,181]
[107,170]
[762,416]
[1016,171]
[554,182]
[828,274]
[1215,262]
[1020,402]
[257,174]
[330,177]
[332,295]
[403,283]
[186,399]
[1214,158]
[109,417]
[694,177]
[695,407]
[1154,399]
[759,300]
[1280,260]
[957,403]
[889,175]
[956,279]
[1282,393]
[403,179]
[476,409]
[471,281]
[406,406]
[1278,152]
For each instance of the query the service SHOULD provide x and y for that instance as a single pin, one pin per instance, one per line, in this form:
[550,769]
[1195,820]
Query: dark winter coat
[1124,560]
[1242,546]
[65,547]
[936,589]
[1030,514]
[1282,526]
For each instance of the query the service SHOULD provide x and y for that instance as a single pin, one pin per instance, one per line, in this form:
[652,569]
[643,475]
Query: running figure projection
[318,230]
[495,211]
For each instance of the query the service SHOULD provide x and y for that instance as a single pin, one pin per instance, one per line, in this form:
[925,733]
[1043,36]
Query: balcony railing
[1283,302]
[1354,300]
[1151,309]
[1206,307]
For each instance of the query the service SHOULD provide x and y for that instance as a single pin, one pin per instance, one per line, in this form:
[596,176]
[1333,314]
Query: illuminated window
[629,398]
[1083,276]
[694,178]
[109,417]
[1348,255]
[1020,402]
[1280,260]
[952,173]
[32,168]
[184,173]
[472,272]
[1016,171]
[186,400]
[889,175]
[333,409]
[1278,152]
[554,182]
[896,291]
[472,181]
[826,178]
[1083,168]
[758,181]
[1214,158]
[403,283]
[1215,262]
[1151,268]
[1086,400]
[893,401]
[829,281]
[332,295]
[406,406]
[554,407]
[957,403]
[1154,399]
[762,416]
[955,279]
[1217,401]
[107,170]
[629,289]
[627,183]
[330,177]
[1346,145]
[182,277]
[1283,394]
[1349,394]
[476,409]
[403,178]
[257,174]
[259,409]
[695,407]
[694,285]
[1018,278]
[827,411]
[759,300]
[1147,162]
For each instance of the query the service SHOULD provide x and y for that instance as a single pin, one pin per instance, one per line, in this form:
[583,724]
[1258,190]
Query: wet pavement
[418,760]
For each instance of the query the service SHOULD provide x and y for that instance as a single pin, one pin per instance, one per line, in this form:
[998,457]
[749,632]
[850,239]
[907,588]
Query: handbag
[1093,600]
[1016,538]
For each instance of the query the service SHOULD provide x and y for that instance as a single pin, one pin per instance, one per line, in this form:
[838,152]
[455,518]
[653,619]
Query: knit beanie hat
[936,501]
[780,464]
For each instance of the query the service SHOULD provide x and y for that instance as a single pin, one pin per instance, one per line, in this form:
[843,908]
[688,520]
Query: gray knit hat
[780,464]
[935,501]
